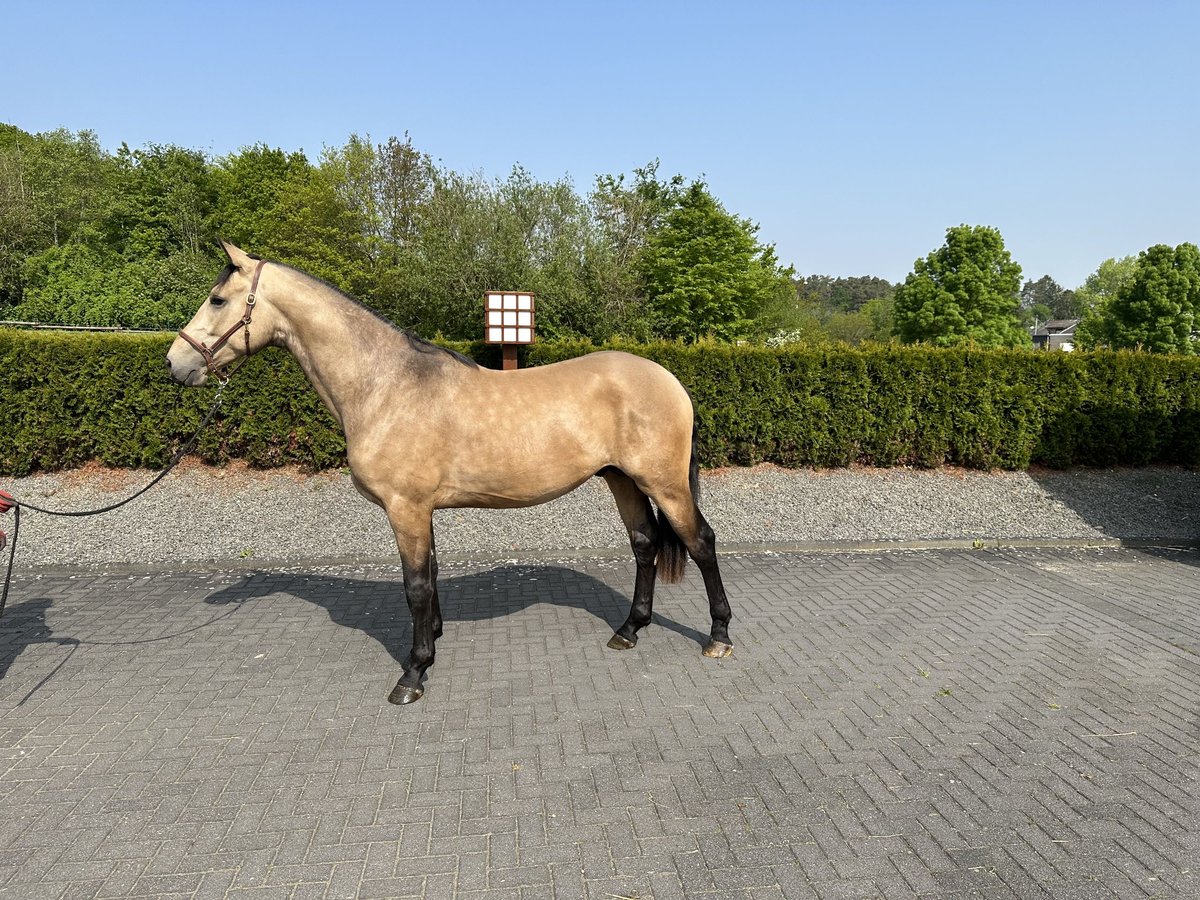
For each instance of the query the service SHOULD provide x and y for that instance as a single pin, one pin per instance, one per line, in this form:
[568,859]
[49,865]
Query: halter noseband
[209,353]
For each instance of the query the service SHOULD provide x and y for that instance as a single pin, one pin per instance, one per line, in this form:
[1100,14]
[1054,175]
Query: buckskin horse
[427,428]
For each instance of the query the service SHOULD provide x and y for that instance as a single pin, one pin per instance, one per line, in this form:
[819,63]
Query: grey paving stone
[943,724]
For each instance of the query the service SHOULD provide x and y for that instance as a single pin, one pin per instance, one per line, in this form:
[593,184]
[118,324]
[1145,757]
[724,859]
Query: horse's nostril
[168,364]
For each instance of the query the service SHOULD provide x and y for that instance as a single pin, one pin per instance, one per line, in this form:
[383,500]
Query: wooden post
[510,357]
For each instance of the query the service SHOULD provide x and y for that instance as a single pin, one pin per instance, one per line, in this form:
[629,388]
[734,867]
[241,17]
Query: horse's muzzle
[188,376]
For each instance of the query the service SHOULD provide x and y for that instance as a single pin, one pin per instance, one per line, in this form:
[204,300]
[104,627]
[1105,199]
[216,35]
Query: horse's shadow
[377,607]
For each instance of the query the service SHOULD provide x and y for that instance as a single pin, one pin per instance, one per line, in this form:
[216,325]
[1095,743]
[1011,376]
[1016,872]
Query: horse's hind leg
[697,535]
[636,513]
[414,538]
[433,577]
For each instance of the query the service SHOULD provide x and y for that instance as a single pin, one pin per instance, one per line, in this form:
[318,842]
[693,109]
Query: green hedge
[69,399]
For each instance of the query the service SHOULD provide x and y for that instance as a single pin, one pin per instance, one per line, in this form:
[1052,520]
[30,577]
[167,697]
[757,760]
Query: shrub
[71,398]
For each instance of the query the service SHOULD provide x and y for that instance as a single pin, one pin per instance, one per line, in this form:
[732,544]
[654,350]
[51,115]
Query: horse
[427,428]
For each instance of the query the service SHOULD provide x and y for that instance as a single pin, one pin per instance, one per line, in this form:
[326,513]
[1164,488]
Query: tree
[1047,299]
[965,291]
[844,294]
[882,313]
[1155,309]
[705,272]
[384,187]
[54,187]
[1103,284]
[250,184]
[626,214]
[78,284]
[282,207]
[1094,296]
[166,201]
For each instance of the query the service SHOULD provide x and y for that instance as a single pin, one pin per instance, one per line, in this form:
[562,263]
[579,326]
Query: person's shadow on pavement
[24,626]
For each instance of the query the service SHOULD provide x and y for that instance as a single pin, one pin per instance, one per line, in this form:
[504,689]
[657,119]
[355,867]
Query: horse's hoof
[616,642]
[718,650]
[402,695]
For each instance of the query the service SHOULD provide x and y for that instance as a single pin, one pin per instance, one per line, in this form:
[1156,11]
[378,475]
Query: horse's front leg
[414,538]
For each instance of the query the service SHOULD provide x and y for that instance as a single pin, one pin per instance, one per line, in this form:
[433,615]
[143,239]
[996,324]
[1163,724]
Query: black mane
[421,345]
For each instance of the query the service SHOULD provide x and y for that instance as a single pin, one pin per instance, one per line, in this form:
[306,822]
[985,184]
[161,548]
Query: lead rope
[6,500]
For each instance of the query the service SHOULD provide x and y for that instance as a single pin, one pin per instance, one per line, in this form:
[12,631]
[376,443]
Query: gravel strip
[200,514]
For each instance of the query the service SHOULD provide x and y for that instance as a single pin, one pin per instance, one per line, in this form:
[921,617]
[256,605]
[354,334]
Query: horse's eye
[217,301]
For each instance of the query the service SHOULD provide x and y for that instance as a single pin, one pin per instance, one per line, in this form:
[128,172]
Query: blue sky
[853,133]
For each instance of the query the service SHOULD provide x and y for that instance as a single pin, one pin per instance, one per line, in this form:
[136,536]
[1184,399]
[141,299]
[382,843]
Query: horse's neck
[344,350]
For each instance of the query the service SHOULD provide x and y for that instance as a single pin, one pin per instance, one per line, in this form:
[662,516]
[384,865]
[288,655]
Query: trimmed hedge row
[69,399]
[889,405]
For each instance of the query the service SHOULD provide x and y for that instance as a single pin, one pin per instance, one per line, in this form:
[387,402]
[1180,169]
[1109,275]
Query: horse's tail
[672,554]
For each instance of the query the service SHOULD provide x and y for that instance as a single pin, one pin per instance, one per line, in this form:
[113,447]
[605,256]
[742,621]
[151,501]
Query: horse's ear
[239,258]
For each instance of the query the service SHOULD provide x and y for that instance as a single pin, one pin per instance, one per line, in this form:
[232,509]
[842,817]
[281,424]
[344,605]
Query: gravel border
[235,515]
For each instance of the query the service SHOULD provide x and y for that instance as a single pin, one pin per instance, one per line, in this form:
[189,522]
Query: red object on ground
[3,539]
[6,503]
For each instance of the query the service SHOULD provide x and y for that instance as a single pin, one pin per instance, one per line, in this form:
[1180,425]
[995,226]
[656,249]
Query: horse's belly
[509,486]
[501,501]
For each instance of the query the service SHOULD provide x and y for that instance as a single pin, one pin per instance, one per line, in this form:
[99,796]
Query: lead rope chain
[19,504]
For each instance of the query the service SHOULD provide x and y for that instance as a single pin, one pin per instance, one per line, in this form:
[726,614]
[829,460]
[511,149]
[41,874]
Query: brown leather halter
[209,353]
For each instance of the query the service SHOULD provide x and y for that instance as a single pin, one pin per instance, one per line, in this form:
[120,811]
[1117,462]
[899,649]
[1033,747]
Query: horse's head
[219,333]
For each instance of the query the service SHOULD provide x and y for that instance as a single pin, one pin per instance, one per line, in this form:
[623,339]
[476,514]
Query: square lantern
[508,317]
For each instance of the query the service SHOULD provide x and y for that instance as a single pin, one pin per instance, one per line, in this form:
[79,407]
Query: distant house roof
[1056,334]
[1056,326]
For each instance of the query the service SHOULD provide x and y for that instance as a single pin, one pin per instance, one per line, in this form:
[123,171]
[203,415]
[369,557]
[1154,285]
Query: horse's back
[529,435]
[625,371]
[607,384]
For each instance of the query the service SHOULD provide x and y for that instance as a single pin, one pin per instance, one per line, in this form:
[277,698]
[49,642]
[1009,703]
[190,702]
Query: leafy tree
[78,284]
[310,227]
[1039,313]
[518,232]
[850,327]
[250,184]
[385,187]
[1156,308]
[844,294]
[626,214]
[882,312]
[88,237]
[1047,299]
[1103,284]
[1094,296]
[705,272]
[53,186]
[281,206]
[965,291]
[546,230]
[165,201]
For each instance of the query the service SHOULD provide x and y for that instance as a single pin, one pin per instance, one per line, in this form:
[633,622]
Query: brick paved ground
[951,724]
